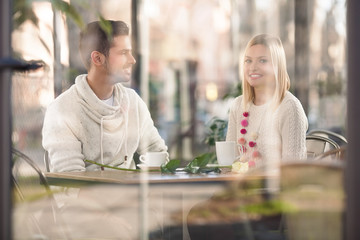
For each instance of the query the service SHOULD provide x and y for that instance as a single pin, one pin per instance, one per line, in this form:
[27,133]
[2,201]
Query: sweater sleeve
[293,127]
[150,139]
[60,142]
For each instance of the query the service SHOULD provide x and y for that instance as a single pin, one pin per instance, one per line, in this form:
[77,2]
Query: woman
[267,121]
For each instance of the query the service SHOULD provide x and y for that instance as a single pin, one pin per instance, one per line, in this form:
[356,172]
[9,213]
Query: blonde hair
[278,58]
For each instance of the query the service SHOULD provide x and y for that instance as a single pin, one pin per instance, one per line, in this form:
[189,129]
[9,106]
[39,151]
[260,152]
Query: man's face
[120,60]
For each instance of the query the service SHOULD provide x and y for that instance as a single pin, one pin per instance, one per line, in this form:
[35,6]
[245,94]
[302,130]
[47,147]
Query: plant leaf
[105,26]
[171,166]
[69,10]
[198,163]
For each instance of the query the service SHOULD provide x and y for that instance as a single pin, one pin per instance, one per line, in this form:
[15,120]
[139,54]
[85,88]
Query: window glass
[187,72]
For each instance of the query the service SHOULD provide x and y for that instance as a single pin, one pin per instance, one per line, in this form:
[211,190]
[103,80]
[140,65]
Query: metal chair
[26,173]
[337,154]
[318,145]
[47,161]
[338,138]
[35,211]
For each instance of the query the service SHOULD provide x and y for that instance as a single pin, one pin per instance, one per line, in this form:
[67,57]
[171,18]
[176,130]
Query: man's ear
[97,58]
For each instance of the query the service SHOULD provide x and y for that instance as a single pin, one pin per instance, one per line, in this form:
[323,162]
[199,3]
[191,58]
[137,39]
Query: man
[98,118]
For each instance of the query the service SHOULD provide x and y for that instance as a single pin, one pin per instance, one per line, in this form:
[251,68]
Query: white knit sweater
[281,132]
[79,126]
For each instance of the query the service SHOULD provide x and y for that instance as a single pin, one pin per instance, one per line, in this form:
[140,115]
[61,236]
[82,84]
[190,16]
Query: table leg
[144,199]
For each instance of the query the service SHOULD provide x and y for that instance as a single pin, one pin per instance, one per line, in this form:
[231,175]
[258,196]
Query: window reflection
[188,53]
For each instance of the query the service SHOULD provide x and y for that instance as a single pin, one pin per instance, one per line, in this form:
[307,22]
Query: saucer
[216,165]
[146,167]
[212,165]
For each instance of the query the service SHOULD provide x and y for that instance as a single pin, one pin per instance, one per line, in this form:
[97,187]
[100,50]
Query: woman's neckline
[261,105]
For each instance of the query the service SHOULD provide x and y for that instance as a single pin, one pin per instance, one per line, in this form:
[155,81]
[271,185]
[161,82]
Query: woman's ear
[97,58]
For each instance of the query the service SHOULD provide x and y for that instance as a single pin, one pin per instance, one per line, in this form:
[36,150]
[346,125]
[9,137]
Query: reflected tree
[303,18]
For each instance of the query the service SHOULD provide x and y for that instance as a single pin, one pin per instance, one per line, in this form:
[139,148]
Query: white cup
[225,152]
[154,159]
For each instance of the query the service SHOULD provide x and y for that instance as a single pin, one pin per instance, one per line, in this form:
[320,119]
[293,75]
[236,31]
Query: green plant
[198,165]
[23,11]
[216,131]
[237,91]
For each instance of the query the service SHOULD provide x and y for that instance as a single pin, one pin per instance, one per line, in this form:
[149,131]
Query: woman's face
[258,67]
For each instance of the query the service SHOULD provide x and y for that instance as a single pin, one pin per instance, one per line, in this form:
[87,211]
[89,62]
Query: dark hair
[98,36]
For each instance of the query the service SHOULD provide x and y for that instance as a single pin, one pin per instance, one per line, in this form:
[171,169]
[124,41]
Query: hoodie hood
[112,116]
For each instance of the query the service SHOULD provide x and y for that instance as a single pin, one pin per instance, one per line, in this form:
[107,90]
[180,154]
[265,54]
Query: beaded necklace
[248,149]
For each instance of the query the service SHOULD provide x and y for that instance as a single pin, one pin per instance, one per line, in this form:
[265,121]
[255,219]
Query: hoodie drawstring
[101,142]
[125,111]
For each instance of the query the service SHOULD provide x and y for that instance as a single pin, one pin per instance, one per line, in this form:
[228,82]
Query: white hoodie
[79,126]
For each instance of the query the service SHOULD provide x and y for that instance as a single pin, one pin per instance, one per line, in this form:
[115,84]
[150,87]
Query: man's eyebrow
[124,50]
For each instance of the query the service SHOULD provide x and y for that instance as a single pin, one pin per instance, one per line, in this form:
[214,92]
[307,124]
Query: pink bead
[243,131]
[244,123]
[252,144]
[241,141]
[246,114]
[251,163]
[255,154]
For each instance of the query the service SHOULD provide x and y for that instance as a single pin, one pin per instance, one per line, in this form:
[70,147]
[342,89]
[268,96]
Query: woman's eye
[247,61]
[263,60]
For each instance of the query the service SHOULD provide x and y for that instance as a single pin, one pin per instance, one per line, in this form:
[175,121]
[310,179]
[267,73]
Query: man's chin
[121,79]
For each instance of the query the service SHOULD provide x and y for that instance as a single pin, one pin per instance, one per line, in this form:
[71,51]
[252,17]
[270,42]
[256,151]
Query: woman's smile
[255,76]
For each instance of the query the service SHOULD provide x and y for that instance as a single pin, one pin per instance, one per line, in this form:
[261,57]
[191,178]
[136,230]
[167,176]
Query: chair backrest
[318,145]
[47,161]
[335,154]
[338,138]
[28,177]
